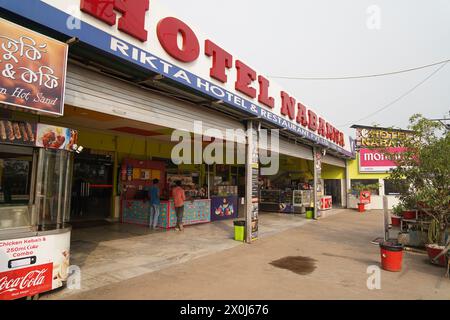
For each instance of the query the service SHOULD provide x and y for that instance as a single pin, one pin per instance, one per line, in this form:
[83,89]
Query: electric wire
[398,98]
[363,76]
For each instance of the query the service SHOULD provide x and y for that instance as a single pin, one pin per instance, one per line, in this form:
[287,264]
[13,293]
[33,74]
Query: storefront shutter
[94,91]
[293,150]
[334,161]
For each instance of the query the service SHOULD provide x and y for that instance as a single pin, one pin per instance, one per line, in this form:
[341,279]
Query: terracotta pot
[409,215]
[433,250]
[396,221]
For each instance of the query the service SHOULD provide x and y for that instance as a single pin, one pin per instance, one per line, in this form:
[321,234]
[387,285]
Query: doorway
[333,189]
[92,187]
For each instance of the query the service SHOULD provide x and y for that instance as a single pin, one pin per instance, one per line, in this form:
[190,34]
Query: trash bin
[391,256]
[310,213]
[239,230]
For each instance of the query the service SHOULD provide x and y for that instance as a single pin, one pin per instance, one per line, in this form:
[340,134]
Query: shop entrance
[333,188]
[92,186]
[291,190]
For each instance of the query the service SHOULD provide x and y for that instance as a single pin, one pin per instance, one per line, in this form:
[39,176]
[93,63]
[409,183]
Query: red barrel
[391,256]
[361,207]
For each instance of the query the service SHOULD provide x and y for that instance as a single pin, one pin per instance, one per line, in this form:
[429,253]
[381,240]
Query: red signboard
[326,203]
[25,282]
[372,160]
[364,197]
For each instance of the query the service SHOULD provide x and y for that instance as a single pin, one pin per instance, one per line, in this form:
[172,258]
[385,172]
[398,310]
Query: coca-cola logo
[27,281]
[31,279]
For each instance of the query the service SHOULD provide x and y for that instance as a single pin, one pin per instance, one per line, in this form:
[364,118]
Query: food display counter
[303,199]
[195,212]
[36,162]
[138,212]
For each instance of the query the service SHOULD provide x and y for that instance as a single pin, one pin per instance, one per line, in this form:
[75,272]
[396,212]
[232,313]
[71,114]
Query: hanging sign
[32,70]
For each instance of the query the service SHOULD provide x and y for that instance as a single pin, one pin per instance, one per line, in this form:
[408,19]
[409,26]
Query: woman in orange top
[178,198]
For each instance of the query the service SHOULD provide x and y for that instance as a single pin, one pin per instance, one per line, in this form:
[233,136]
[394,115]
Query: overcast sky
[330,38]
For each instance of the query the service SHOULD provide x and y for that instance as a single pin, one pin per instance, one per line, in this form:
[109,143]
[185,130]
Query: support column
[251,181]
[346,185]
[318,185]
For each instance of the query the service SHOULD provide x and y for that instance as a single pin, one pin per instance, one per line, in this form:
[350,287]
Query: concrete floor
[338,249]
[118,252]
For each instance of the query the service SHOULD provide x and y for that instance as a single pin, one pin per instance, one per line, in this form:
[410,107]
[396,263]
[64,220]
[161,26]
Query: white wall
[376,200]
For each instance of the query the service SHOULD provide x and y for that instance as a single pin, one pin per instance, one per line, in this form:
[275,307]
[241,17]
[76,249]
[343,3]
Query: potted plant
[409,204]
[435,245]
[424,168]
[396,217]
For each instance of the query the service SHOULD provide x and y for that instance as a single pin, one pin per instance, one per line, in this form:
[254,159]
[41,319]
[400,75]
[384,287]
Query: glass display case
[270,196]
[303,198]
[269,200]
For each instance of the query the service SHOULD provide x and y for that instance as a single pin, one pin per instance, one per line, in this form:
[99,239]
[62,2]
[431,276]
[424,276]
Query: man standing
[155,203]
[178,198]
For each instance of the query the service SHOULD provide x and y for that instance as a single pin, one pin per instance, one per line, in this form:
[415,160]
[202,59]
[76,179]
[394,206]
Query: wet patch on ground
[299,265]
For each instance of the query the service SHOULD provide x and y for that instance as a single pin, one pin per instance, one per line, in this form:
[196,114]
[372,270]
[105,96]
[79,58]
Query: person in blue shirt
[155,202]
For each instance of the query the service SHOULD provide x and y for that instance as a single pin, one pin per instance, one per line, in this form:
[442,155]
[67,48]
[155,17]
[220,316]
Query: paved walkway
[334,254]
[116,253]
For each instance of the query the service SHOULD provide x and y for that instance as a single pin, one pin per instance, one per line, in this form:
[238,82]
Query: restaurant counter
[138,212]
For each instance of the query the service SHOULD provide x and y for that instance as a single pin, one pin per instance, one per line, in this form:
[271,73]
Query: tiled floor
[117,252]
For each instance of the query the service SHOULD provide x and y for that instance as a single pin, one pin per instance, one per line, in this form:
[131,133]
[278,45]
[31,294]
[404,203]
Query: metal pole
[208,181]
[315,182]
[386,218]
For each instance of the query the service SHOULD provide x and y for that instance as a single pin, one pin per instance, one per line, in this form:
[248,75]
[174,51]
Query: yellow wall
[332,172]
[353,171]
[304,167]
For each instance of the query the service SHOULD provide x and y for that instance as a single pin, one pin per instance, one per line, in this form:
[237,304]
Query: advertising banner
[17,132]
[40,135]
[326,203]
[54,137]
[32,70]
[223,208]
[364,197]
[29,266]
[371,160]
[255,179]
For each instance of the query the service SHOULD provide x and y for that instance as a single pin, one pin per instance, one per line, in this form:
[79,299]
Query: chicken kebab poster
[53,137]
[32,70]
[37,135]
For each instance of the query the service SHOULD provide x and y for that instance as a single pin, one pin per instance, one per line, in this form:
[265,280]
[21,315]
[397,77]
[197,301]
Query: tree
[425,168]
